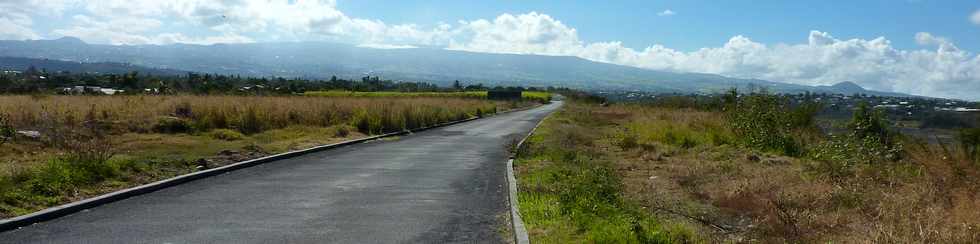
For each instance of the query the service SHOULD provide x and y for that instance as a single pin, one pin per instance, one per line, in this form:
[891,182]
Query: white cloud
[14,26]
[171,38]
[530,33]
[975,18]
[941,69]
[386,46]
[945,71]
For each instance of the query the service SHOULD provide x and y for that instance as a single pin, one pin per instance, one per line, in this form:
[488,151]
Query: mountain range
[323,60]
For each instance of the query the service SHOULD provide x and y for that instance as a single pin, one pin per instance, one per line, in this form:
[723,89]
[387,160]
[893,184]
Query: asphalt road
[436,186]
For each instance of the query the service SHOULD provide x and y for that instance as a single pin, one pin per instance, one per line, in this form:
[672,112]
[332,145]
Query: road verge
[520,231]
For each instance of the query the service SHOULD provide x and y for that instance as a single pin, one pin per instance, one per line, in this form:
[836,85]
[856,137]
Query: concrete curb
[70,208]
[520,231]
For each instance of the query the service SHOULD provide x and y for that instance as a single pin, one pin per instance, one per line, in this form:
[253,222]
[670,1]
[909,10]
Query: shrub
[250,122]
[342,131]
[803,115]
[871,123]
[763,121]
[6,130]
[171,125]
[970,143]
[215,119]
[628,141]
[227,135]
[367,123]
[183,110]
[869,142]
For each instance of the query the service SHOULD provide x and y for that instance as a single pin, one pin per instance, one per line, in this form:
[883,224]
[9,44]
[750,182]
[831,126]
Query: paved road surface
[436,186]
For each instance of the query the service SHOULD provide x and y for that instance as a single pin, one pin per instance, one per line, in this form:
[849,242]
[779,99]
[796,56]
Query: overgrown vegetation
[88,145]
[750,168]
[570,193]
[768,122]
[869,142]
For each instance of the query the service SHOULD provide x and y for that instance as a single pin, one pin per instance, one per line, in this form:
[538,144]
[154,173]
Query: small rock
[202,164]
[653,177]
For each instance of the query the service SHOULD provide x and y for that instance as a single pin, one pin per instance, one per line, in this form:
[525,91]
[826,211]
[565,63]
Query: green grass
[571,194]
[144,158]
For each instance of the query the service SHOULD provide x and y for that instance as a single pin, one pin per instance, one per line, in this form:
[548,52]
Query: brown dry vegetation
[689,169]
[90,145]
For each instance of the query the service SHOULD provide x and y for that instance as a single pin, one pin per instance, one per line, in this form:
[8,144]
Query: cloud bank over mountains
[938,68]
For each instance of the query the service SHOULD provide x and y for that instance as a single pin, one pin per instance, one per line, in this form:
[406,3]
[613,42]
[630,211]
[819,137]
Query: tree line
[33,80]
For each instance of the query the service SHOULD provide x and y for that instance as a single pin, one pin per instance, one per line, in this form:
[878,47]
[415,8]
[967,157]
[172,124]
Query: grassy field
[89,145]
[645,173]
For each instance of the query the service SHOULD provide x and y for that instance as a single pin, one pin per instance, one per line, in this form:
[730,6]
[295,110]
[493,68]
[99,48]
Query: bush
[215,119]
[970,142]
[6,130]
[367,123]
[628,141]
[869,142]
[171,125]
[871,123]
[250,122]
[227,135]
[765,122]
[183,110]
[342,131]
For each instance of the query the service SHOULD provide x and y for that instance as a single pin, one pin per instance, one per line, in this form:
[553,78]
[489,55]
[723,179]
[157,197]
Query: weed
[342,131]
[863,185]
[628,141]
[250,122]
[226,134]
[569,193]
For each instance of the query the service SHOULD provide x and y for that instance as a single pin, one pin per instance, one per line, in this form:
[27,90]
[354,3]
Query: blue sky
[913,46]
[700,23]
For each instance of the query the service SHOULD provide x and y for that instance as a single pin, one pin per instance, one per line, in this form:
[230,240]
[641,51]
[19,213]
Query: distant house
[110,91]
[81,90]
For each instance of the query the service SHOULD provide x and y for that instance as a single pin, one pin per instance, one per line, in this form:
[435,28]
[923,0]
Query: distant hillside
[322,60]
[21,64]
[850,88]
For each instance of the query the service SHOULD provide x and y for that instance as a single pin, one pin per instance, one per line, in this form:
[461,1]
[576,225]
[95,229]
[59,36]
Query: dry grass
[142,139]
[678,164]
[141,113]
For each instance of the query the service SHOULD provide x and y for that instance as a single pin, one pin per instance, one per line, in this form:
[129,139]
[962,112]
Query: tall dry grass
[246,114]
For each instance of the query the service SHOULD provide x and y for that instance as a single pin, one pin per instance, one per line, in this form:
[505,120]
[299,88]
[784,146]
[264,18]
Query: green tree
[457,85]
